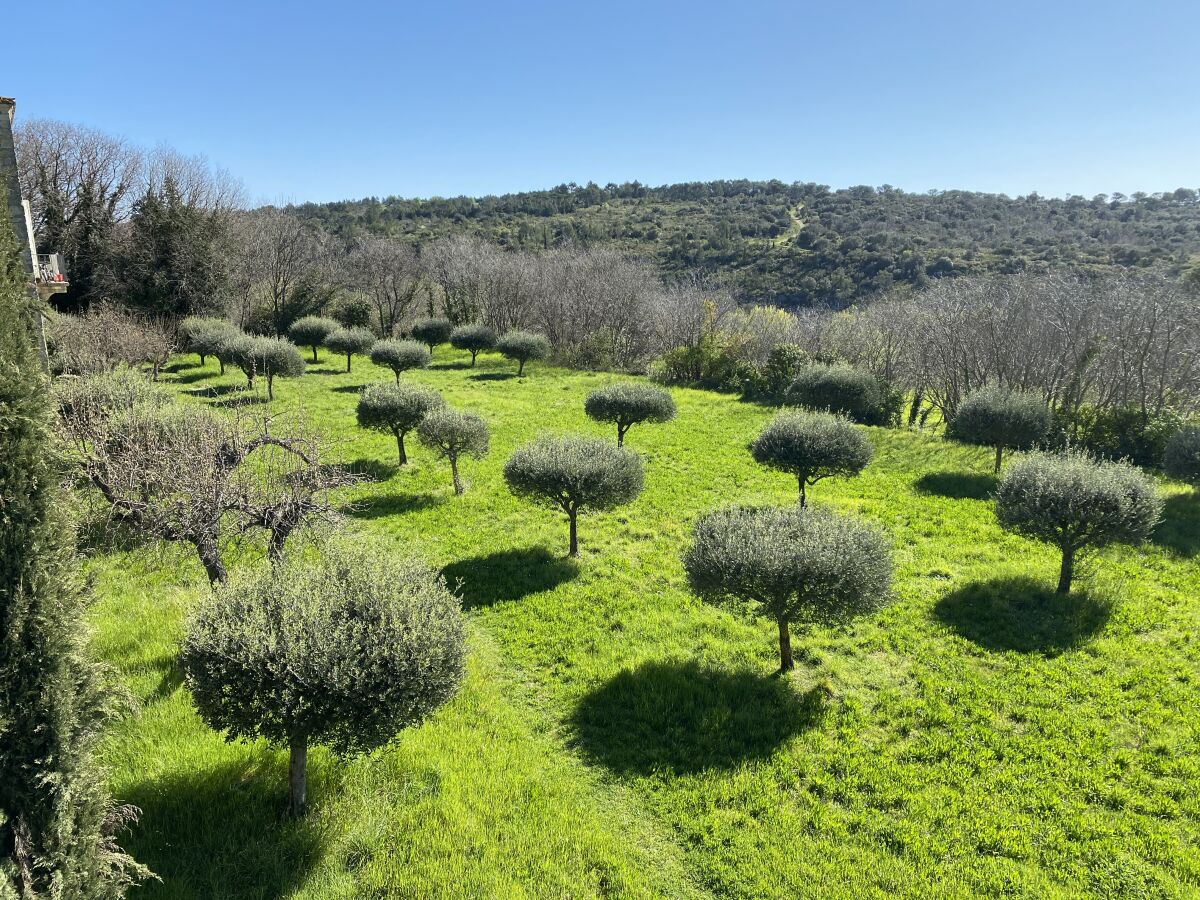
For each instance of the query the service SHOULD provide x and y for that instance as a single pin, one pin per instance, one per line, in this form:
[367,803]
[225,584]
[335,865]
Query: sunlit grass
[616,737]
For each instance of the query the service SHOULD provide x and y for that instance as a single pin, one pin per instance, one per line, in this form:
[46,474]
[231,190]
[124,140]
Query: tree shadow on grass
[454,366]
[223,831]
[181,364]
[682,717]
[492,376]
[391,505]
[348,388]
[508,575]
[957,485]
[326,369]
[216,390]
[192,377]
[1179,529]
[366,469]
[1024,615]
[241,400]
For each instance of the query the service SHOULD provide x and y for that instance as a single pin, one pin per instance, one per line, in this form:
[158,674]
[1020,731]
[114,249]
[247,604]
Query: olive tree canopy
[432,332]
[812,446]
[628,403]
[1075,502]
[474,338]
[399,356]
[523,346]
[573,472]
[793,565]
[1005,420]
[350,341]
[311,331]
[453,434]
[397,408]
[345,650]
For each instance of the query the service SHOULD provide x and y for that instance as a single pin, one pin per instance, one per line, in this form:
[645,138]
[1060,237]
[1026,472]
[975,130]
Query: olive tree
[474,338]
[1076,502]
[208,342]
[311,332]
[350,341]
[847,391]
[397,408]
[572,473]
[197,334]
[235,348]
[1181,458]
[276,358]
[794,566]
[432,332]
[1005,420]
[812,446]
[628,403]
[523,346]
[453,434]
[399,356]
[346,651]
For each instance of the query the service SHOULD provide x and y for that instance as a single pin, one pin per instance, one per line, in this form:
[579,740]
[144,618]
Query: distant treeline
[806,244]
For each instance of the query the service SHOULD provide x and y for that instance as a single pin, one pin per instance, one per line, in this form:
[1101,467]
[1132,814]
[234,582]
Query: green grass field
[616,737]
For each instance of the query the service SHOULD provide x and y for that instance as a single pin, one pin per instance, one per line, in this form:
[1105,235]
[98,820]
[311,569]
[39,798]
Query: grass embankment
[616,737]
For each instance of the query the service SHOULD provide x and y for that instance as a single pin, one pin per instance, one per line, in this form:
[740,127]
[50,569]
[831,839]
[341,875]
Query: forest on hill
[804,244]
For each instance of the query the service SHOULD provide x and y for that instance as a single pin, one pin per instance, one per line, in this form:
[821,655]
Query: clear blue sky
[337,100]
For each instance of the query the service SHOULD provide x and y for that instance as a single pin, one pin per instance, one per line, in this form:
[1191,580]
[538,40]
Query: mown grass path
[616,737]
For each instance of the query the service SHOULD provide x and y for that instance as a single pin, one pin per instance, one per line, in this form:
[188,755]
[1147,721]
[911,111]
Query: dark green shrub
[794,566]
[432,332]
[812,446]
[1181,459]
[56,813]
[346,650]
[1002,419]
[473,338]
[523,346]
[452,434]
[1075,502]
[1126,432]
[399,356]
[572,473]
[311,331]
[847,391]
[352,311]
[772,380]
[628,403]
[705,364]
[350,341]
[398,408]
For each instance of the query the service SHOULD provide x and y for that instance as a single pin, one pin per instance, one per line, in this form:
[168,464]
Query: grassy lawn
[616,737]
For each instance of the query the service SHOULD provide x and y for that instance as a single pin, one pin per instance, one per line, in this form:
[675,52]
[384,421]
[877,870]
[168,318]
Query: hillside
[616,737]
[805,244]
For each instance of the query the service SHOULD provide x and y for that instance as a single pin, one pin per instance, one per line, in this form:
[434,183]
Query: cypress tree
[57,821]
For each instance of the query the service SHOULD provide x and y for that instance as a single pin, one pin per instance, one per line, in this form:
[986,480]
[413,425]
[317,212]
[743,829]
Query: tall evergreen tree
[57,821]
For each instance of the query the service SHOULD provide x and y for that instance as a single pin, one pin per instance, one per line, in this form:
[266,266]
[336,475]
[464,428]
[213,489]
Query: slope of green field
[616,737]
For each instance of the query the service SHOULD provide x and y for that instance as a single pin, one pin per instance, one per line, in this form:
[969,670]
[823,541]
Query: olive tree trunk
[270,387]
[458,485]
[400,448]
[210,558]
[520,368]
[999,457]
[621,429]
[1066,571]
[786,663]
[348,355]
[572,515]
[314,350]
[803,494]
[474,353]
[298,777]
